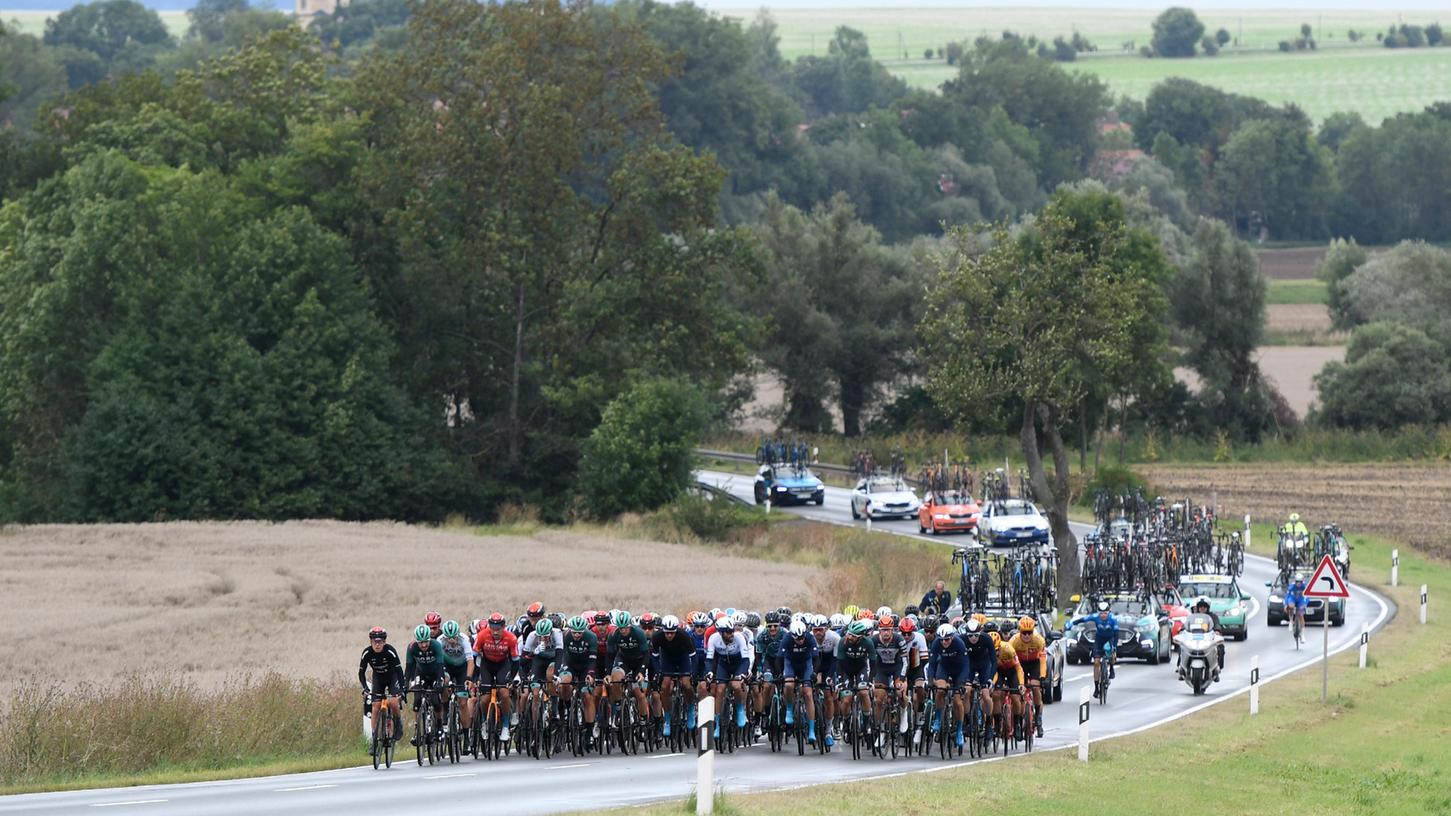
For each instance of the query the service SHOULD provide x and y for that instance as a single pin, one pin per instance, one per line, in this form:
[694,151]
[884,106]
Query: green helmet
[450,629]
[544,627]
[578,623]
[623,619]
[421,633]
[858,628]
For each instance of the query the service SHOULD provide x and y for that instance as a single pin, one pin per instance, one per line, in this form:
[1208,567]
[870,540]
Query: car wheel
[1244,635]
[1334,621]
[1153,657]
[1273,620]
[854,513]
[1058,691]
[760,495]
[821,500]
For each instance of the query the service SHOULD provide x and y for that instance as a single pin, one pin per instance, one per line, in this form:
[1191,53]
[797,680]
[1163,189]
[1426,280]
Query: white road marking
[1077,677]
[132,802]
[574,765]
[450,775]
[665,756]
[303,788]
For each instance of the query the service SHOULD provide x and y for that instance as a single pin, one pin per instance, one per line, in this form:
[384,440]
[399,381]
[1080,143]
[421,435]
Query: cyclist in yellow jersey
[1009,679]
[1032,653]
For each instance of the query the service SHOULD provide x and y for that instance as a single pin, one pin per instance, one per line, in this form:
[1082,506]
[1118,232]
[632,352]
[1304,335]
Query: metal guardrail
[749,458]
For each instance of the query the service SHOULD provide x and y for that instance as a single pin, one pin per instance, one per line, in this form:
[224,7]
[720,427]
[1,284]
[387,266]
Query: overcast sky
[1322,5]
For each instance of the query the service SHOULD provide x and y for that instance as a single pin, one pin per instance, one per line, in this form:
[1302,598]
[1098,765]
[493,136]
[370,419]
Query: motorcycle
[1199,647]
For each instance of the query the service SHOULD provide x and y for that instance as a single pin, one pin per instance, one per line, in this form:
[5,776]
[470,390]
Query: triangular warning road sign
[1326,582]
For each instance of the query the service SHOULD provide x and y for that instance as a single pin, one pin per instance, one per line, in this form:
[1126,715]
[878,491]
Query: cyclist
[798,656]
[1296,602]
[531,618]
[458,659]
[435,624]
[425,663]
[1009,685]
[728,657]
[1105,639]
[949,668]
[577,657]
[699,624]
[826,643]
[768,660]
[917,658]
[982,661]
[675,651]
[889,671]
[496,660]
[631,648]
[382,658]
[542,647]
[1032,656]
[855,656]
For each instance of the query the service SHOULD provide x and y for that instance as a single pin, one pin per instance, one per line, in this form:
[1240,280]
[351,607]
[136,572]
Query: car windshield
[953,497]
[886,486]
[1118,606]
[1213,589]
[1014,507]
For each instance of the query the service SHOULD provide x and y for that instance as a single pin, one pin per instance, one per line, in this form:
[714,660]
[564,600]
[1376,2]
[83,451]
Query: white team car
[1012,521]
[880,497]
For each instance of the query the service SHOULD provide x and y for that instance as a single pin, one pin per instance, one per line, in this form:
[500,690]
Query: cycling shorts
[459,674]
[539,666]
[494,675]
[954,674]
[729,666]
[632,664]
[884,675]
[794,669]
[677,665]
[852,678]
[915,674]
[1032,669]
[570,670]
[1101,648]
[1008,680]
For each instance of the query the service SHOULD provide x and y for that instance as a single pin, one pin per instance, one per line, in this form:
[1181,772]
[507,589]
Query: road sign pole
[1084,695]
[1395,567]
[1325,655]
[1254,685]
[705,758]
[1364,642]
[1423,604]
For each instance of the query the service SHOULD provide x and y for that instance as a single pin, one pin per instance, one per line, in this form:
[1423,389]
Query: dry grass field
[211,600]
[1402,502]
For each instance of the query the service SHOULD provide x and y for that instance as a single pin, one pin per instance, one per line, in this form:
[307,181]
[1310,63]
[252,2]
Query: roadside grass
[1284,291]
[1380,745]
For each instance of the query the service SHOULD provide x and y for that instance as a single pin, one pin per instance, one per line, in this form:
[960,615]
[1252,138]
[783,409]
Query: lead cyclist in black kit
[387,669]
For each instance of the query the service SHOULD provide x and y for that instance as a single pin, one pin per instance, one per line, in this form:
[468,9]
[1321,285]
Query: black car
[1314,607]
[1144,630]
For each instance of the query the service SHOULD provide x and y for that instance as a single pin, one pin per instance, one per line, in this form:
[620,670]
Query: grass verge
[1283,291]
[1379,746]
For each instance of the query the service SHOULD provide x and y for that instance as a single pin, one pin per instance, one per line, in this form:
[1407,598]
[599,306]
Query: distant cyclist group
[869,681]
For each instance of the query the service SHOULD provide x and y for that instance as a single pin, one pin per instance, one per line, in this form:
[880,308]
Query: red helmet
[865,614]
[433,619]
[377,633]
[589,614]
[496,619]
[602,618]
[907,626]
[885,622]
[647,619]
[535,609]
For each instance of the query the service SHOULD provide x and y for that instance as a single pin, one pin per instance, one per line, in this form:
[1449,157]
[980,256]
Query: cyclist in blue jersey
[1105,639]
[1295,602]
[798,659]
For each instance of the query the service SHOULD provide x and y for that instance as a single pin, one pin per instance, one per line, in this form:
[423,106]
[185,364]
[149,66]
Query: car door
[859,497]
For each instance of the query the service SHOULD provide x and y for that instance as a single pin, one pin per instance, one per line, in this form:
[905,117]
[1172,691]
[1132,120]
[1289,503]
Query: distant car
[1144,631]
[1226,600]
[947,511]
[1315,608]
[1012,521]
[880,497]
[784,484]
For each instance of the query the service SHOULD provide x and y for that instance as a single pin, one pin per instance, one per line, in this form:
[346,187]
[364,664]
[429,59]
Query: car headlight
[1275,599]
[1146,627]
[938,517]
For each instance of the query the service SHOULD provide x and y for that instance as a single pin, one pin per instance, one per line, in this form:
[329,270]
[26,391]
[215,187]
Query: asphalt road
[1142,697]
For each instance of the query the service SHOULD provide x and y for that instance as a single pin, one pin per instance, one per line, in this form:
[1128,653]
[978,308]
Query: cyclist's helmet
[578,624]
[979,617]
[535,610]
[421,633]
[957,621]
[773,617]
[866,615]
[1007,628]
[884,611]
[698,619]
[377,633]
[474,626]
[723,624]
[544,627]
[885,622]
[753,620]
[798,629]
[838,620]
[623,619]
[974,628]
[738,619]
[1202,600]
[602,618]
[556,619]
[997,639]
[907,626]
[946,631]
[1026,625]
[910,611]
[730,612]
[930,623]
[670,623]
[1103,606]
[851,610]
[784,612]
[433,619]
[450,629]
[714,613]
[858,628]
[648,620]
[496,619]
[821,621]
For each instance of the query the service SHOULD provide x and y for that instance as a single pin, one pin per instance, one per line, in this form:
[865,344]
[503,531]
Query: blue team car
[784,484]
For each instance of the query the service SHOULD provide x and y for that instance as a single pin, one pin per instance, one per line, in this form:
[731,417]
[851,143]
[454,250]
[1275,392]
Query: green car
[1226,600]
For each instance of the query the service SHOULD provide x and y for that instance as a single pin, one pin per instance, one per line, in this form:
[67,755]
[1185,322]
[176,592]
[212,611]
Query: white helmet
[884,611]
[798,629]
[722,623]
[820,620]
[972,626]
[670,623]
[798,616]
[474,626]
[946,631]
[739,619]
[1103,606]
[838,620]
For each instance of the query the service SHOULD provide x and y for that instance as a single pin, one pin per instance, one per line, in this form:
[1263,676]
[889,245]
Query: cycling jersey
[425,660]
[631,647]
[826,653]
[676,653]
[536,646]
[948,660]
[577,655]
[798,657]
[1010,671]
[768,650]
[456,651]
[698,637]
[917,656]
[603,636]
[982,659]
[496,649]
[1105,638]
[854,659]
[731,659]
[387,669]
[1295,597]
[891,657]
[1031,650]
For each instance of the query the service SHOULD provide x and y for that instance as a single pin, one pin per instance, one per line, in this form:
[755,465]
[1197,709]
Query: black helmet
[771,617]
[930,623]
[784,612]
[910,610]
[753,620]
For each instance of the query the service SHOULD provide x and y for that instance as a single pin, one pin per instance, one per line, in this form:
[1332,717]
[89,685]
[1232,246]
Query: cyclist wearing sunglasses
[382,659]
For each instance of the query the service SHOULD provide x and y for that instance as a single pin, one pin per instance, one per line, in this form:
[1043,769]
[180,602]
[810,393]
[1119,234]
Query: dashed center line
[302,788]
[131,802]
[450,775]
[665,756]
[574,765]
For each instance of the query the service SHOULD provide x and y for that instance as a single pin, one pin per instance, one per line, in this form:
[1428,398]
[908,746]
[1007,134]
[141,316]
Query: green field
[1375,81]
[1295,291]
[33,22]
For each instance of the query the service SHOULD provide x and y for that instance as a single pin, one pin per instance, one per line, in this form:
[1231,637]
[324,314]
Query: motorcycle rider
[1201,607]
[1294,528]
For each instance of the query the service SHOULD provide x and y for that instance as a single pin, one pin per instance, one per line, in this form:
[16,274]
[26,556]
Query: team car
[1172,603]
[1144,631]
[947,511]
[1226,601]
[783,484]
[879,497]
[1057,656]
[1012,522]
[1315,608]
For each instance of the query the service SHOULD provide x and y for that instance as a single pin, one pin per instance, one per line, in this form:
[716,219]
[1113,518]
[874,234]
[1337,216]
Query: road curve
[1143,697]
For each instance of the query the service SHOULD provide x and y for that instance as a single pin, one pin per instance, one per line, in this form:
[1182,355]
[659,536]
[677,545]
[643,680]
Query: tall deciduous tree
[1071,303]
[1176,31]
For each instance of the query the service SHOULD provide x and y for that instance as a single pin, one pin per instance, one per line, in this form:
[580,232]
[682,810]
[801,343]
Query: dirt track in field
[212,599]
[1404,502]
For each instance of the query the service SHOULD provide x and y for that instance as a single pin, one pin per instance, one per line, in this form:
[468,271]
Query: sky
[736,5]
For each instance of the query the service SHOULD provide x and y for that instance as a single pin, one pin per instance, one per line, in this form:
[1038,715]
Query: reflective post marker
[1254,685]
[1395,567]
[1364,642]
[1246,531]
[1423,604]
[768,504]
[1084,695]
[705,758]
[868,508]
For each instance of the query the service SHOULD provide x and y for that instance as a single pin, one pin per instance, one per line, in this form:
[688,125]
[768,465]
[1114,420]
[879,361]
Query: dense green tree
[1072,303]
[1393,375]
[33,75]
[1409,283]
[642,455]
[1272,171]
[1395,180]
[208,17]
[108,28]
[846,80]
[1343,257]
[844,311]
[359,21]
[1176,31]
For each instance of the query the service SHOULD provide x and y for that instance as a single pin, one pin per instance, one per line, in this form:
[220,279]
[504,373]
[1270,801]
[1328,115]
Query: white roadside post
[1423,604]
[1246,532]
[867,509]
[1364,642]
[1254,685]
[1084,695]
[1395,567]
[768,504]
[705,757]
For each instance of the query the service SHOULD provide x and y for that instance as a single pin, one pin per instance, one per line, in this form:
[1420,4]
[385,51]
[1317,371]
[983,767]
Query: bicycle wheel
[390,740]
[454,737]
[419,746]
[853,724]
[1030,719]
[375,746]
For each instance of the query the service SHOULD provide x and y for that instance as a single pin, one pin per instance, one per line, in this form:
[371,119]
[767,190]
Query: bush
[1285,46]
[927,53]
[1209,46]
[1393,375]
[640,456]
[711,519]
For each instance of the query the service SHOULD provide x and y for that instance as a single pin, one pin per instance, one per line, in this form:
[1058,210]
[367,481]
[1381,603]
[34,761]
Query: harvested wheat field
[209,600]
[1404,502]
